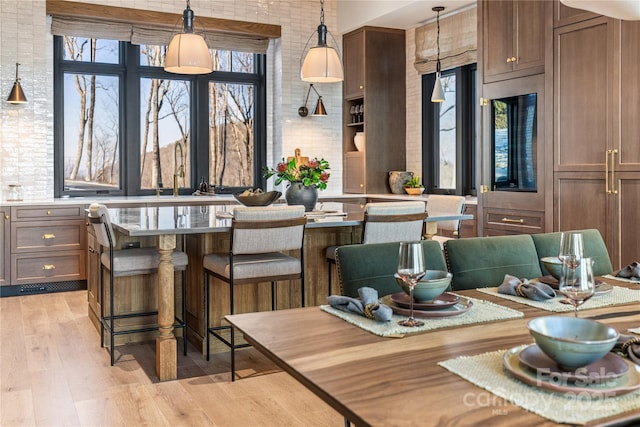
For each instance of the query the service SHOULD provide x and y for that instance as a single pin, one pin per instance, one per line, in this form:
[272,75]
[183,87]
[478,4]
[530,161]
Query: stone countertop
[184,200]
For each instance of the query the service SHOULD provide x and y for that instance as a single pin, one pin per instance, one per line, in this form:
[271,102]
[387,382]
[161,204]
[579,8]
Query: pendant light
[438,92]
[17,94]
[188,52]
[322,63]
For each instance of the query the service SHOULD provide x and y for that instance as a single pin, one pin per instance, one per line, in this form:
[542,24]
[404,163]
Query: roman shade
[154,28]
[458,42]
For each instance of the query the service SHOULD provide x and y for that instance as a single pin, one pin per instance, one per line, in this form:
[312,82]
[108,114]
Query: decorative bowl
[414,191]
[258,199]
[553,265]
[572,342]
[432,285]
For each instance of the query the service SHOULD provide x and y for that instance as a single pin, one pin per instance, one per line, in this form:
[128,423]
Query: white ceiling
[403,14]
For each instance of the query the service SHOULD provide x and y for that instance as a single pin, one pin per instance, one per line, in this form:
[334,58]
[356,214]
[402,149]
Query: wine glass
[578,284]
[411,269]
[571,249]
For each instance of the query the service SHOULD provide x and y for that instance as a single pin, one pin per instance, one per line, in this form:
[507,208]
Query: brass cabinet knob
[48,212]
[48,236]
[49,267]
[361,86]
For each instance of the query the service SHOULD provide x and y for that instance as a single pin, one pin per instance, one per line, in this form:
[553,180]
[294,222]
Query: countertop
[199,200]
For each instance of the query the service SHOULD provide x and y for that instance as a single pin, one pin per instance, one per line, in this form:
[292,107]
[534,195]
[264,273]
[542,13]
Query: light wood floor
[54,373]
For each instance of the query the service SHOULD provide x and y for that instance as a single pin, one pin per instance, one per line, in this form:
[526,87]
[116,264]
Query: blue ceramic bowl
[572,342]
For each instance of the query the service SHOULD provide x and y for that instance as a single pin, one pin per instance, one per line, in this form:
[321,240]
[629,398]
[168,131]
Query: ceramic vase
[298,194]
[358,141]
[397,180]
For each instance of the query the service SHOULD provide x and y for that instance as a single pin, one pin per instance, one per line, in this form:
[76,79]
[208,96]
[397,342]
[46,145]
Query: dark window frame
[130,72]
[466,109]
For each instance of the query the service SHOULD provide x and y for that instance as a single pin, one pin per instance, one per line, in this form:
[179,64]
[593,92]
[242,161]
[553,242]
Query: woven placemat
[481,311]
[617,296]
[486,371]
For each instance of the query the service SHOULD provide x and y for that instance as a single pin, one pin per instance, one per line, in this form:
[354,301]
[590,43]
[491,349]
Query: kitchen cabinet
[501,222]
[47,245]
[5,246]
[373,103]
[513,37]
[596,132]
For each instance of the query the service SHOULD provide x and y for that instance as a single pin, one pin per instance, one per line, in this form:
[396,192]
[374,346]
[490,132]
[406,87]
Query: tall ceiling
[402,14]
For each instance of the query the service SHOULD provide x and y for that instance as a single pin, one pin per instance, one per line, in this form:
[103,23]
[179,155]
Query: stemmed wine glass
[571,249]
[578,284]
[411,269]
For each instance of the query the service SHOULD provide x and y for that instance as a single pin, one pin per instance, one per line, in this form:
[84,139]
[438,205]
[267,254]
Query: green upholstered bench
[480,262]
[374,265]
[548,244]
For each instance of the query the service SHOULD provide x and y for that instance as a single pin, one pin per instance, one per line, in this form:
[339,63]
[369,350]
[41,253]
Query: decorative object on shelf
[257,197]
[619,9]
[438,92]
[359,140]
[188,52]
[413,186]
[397,180]
[321,63]
[318,111]
[305,178]
[17,94]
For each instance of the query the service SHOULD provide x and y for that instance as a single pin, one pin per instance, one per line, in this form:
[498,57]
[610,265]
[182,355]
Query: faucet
[178,170]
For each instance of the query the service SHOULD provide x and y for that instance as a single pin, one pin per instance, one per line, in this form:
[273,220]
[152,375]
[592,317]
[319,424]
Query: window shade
[458,42]
[154,28]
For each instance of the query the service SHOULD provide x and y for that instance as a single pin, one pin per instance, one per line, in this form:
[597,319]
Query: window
[448,135]
[124,126]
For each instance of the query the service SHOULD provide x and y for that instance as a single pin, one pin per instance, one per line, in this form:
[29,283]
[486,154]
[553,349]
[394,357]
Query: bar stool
[259,236]
[445,205]
[386,222]
[126,263]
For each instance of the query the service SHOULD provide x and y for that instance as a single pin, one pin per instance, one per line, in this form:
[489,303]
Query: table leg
[166,346]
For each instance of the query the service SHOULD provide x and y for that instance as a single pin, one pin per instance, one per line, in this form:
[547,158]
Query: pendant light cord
[438,42]
[321,12]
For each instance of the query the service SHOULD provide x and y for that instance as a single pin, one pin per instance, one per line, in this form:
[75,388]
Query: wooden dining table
[383,381]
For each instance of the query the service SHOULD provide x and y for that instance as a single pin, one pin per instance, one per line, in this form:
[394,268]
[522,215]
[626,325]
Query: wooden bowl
[261,199]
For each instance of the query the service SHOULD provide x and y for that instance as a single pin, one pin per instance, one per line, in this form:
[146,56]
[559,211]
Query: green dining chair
[374,264]
[548,244]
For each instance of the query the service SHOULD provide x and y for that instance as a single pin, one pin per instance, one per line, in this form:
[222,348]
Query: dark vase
[298,194]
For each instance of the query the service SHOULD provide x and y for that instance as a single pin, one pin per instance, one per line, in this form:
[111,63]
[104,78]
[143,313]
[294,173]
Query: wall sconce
[188,52]
[438,92]
[17,94]
[322,63]
[318,111]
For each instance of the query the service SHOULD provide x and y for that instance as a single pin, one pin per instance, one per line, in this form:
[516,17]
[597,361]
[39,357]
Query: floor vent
[42,288]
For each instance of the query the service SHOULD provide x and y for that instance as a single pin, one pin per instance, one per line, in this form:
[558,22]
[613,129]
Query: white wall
[26,131]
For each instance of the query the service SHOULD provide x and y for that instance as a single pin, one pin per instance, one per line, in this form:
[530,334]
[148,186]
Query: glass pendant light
[322,63]
[438,92]
[188,52]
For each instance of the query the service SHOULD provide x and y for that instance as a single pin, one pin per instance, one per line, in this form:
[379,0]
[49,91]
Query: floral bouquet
[312,174]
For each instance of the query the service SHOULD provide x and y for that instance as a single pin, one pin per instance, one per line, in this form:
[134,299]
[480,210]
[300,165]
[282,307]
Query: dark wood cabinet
[374,85]
[5,246]
[513,38]
[596,132]
[94,298]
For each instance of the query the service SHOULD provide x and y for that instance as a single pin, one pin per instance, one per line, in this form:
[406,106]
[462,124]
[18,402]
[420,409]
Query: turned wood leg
[431,229]
[166,346]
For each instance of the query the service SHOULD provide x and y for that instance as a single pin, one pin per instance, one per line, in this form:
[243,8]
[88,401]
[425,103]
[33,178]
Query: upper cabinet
[513,38]
[373,107]
[354,63]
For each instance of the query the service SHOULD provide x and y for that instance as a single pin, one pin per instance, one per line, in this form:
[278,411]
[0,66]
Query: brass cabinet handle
[361,86]
[49,267]
[7,217]
[47,236]
[513,221]
[606,171]
[613,171]
[508,59]
[48,212]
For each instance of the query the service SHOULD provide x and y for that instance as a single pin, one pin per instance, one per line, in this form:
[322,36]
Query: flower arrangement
[312,174]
